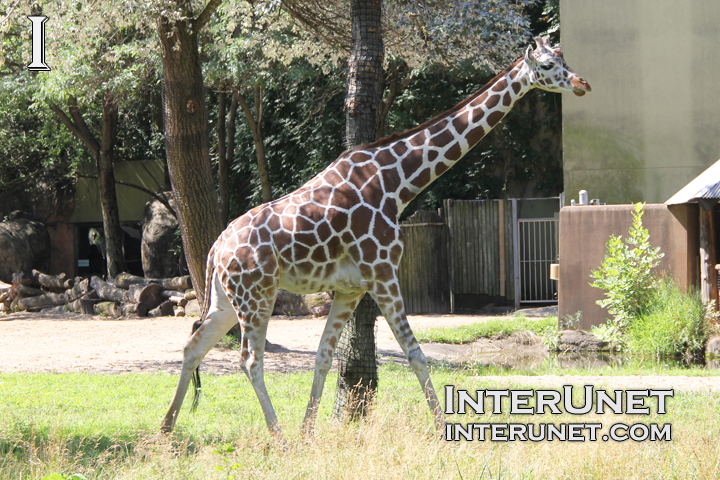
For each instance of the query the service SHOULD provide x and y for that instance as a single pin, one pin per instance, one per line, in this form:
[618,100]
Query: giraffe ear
[529,57]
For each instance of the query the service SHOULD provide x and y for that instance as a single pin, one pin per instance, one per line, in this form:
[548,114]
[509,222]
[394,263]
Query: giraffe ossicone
[340,232]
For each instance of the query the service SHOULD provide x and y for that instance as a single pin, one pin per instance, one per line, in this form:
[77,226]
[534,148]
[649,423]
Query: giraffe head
[549,71]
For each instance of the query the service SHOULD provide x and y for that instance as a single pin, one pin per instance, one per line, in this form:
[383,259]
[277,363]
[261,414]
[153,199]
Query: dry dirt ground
[32,342]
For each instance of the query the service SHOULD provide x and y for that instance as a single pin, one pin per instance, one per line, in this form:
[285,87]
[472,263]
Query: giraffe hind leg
[220,318]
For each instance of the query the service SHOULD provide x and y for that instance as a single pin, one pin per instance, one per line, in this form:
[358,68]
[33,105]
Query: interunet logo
[38,44]
[631,402]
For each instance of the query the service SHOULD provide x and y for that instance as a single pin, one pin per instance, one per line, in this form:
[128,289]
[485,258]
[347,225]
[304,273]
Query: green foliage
[59,476]
[496,327]
[228,467]
[626,275]
[674,323]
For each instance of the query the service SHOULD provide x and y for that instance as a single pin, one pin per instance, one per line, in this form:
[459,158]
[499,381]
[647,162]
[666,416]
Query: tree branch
[160,198]
[80,122]
[89,142]
[245,108]
[205,15]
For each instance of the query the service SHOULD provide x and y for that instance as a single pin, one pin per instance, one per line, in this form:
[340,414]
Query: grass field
[104,426]
[500,326]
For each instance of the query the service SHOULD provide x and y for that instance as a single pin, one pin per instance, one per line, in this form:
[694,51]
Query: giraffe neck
[426,152]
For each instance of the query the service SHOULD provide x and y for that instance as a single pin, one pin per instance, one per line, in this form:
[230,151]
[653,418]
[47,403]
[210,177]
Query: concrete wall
[652,121]
[584,232]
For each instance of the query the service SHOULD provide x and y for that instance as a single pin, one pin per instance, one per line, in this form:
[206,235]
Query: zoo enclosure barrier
[474,252]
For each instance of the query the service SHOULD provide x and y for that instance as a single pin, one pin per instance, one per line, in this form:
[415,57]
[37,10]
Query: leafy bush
[626,275]
[673,323]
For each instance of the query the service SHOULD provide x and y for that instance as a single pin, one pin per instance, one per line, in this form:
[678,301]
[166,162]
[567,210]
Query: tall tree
[418,34]
[186,134]
[102,152]
[358,377]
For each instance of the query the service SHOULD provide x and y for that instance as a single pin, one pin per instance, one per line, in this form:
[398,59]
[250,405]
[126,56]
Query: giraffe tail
[209,272]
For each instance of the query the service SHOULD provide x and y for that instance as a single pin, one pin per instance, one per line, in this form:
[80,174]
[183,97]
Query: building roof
[705,186]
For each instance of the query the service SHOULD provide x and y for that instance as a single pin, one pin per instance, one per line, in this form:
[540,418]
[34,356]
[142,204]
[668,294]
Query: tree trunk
[365,73]
[357,367]
[187,141]
[102,153]
[255,123]
[226,152]
[357,379]
[106,185]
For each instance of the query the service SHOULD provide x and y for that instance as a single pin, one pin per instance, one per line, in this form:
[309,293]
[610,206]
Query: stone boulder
[713,346]
[160,257]
[24,245]
[295,305]
[577,340]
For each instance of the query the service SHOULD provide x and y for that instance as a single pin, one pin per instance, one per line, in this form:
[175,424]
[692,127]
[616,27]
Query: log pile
[124,295]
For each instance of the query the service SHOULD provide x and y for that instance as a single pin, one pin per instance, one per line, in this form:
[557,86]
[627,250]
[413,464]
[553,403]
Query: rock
[295,305]
[24,245]
[291,304]
[160,257]
[193,308]
[322,310]
[713,346]
[317,299]
[576,340]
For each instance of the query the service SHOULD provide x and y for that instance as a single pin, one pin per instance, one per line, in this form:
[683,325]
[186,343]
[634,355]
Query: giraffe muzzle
[580,86]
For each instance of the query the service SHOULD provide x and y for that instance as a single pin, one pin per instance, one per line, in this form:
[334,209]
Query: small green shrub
[674,323]
[626,275]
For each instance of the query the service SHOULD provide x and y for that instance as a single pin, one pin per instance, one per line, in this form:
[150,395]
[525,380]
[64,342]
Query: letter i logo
[38,44]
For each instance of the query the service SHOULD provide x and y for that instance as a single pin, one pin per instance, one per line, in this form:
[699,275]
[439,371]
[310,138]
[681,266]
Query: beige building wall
[131,201]
[652,121]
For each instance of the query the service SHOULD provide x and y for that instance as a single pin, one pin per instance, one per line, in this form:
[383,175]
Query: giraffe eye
[549,66]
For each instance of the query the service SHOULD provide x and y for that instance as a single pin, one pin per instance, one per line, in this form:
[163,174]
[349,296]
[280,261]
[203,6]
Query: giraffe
[340,232]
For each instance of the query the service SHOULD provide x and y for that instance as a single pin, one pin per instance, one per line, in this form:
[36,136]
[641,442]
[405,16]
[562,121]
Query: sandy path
[74,343]
[78,343]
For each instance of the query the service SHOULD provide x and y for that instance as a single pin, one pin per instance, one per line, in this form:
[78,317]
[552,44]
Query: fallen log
[85,305]
[138,309]
[23,291]
[125,280]
[106,291]
[78,290]
[179,301]
[45,300]
[190,295]
[175,283]
[179,311]
[5,287]
[22,278]
[109,309]
[5,306]
[148,294]
[58,309]
[172,293]
[165,309]
[57,283]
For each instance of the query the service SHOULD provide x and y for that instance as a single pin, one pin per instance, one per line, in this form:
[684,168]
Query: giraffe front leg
[342,307]
[394,312]
[252,355]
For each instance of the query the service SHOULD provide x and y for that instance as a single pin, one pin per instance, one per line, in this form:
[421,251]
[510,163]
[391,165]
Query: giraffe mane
[400,136]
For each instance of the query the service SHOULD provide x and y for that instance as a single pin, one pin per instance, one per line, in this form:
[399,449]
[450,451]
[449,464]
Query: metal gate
[538,248]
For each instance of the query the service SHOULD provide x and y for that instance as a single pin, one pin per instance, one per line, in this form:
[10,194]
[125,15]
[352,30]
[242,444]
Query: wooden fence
[424,274]
[466,248]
